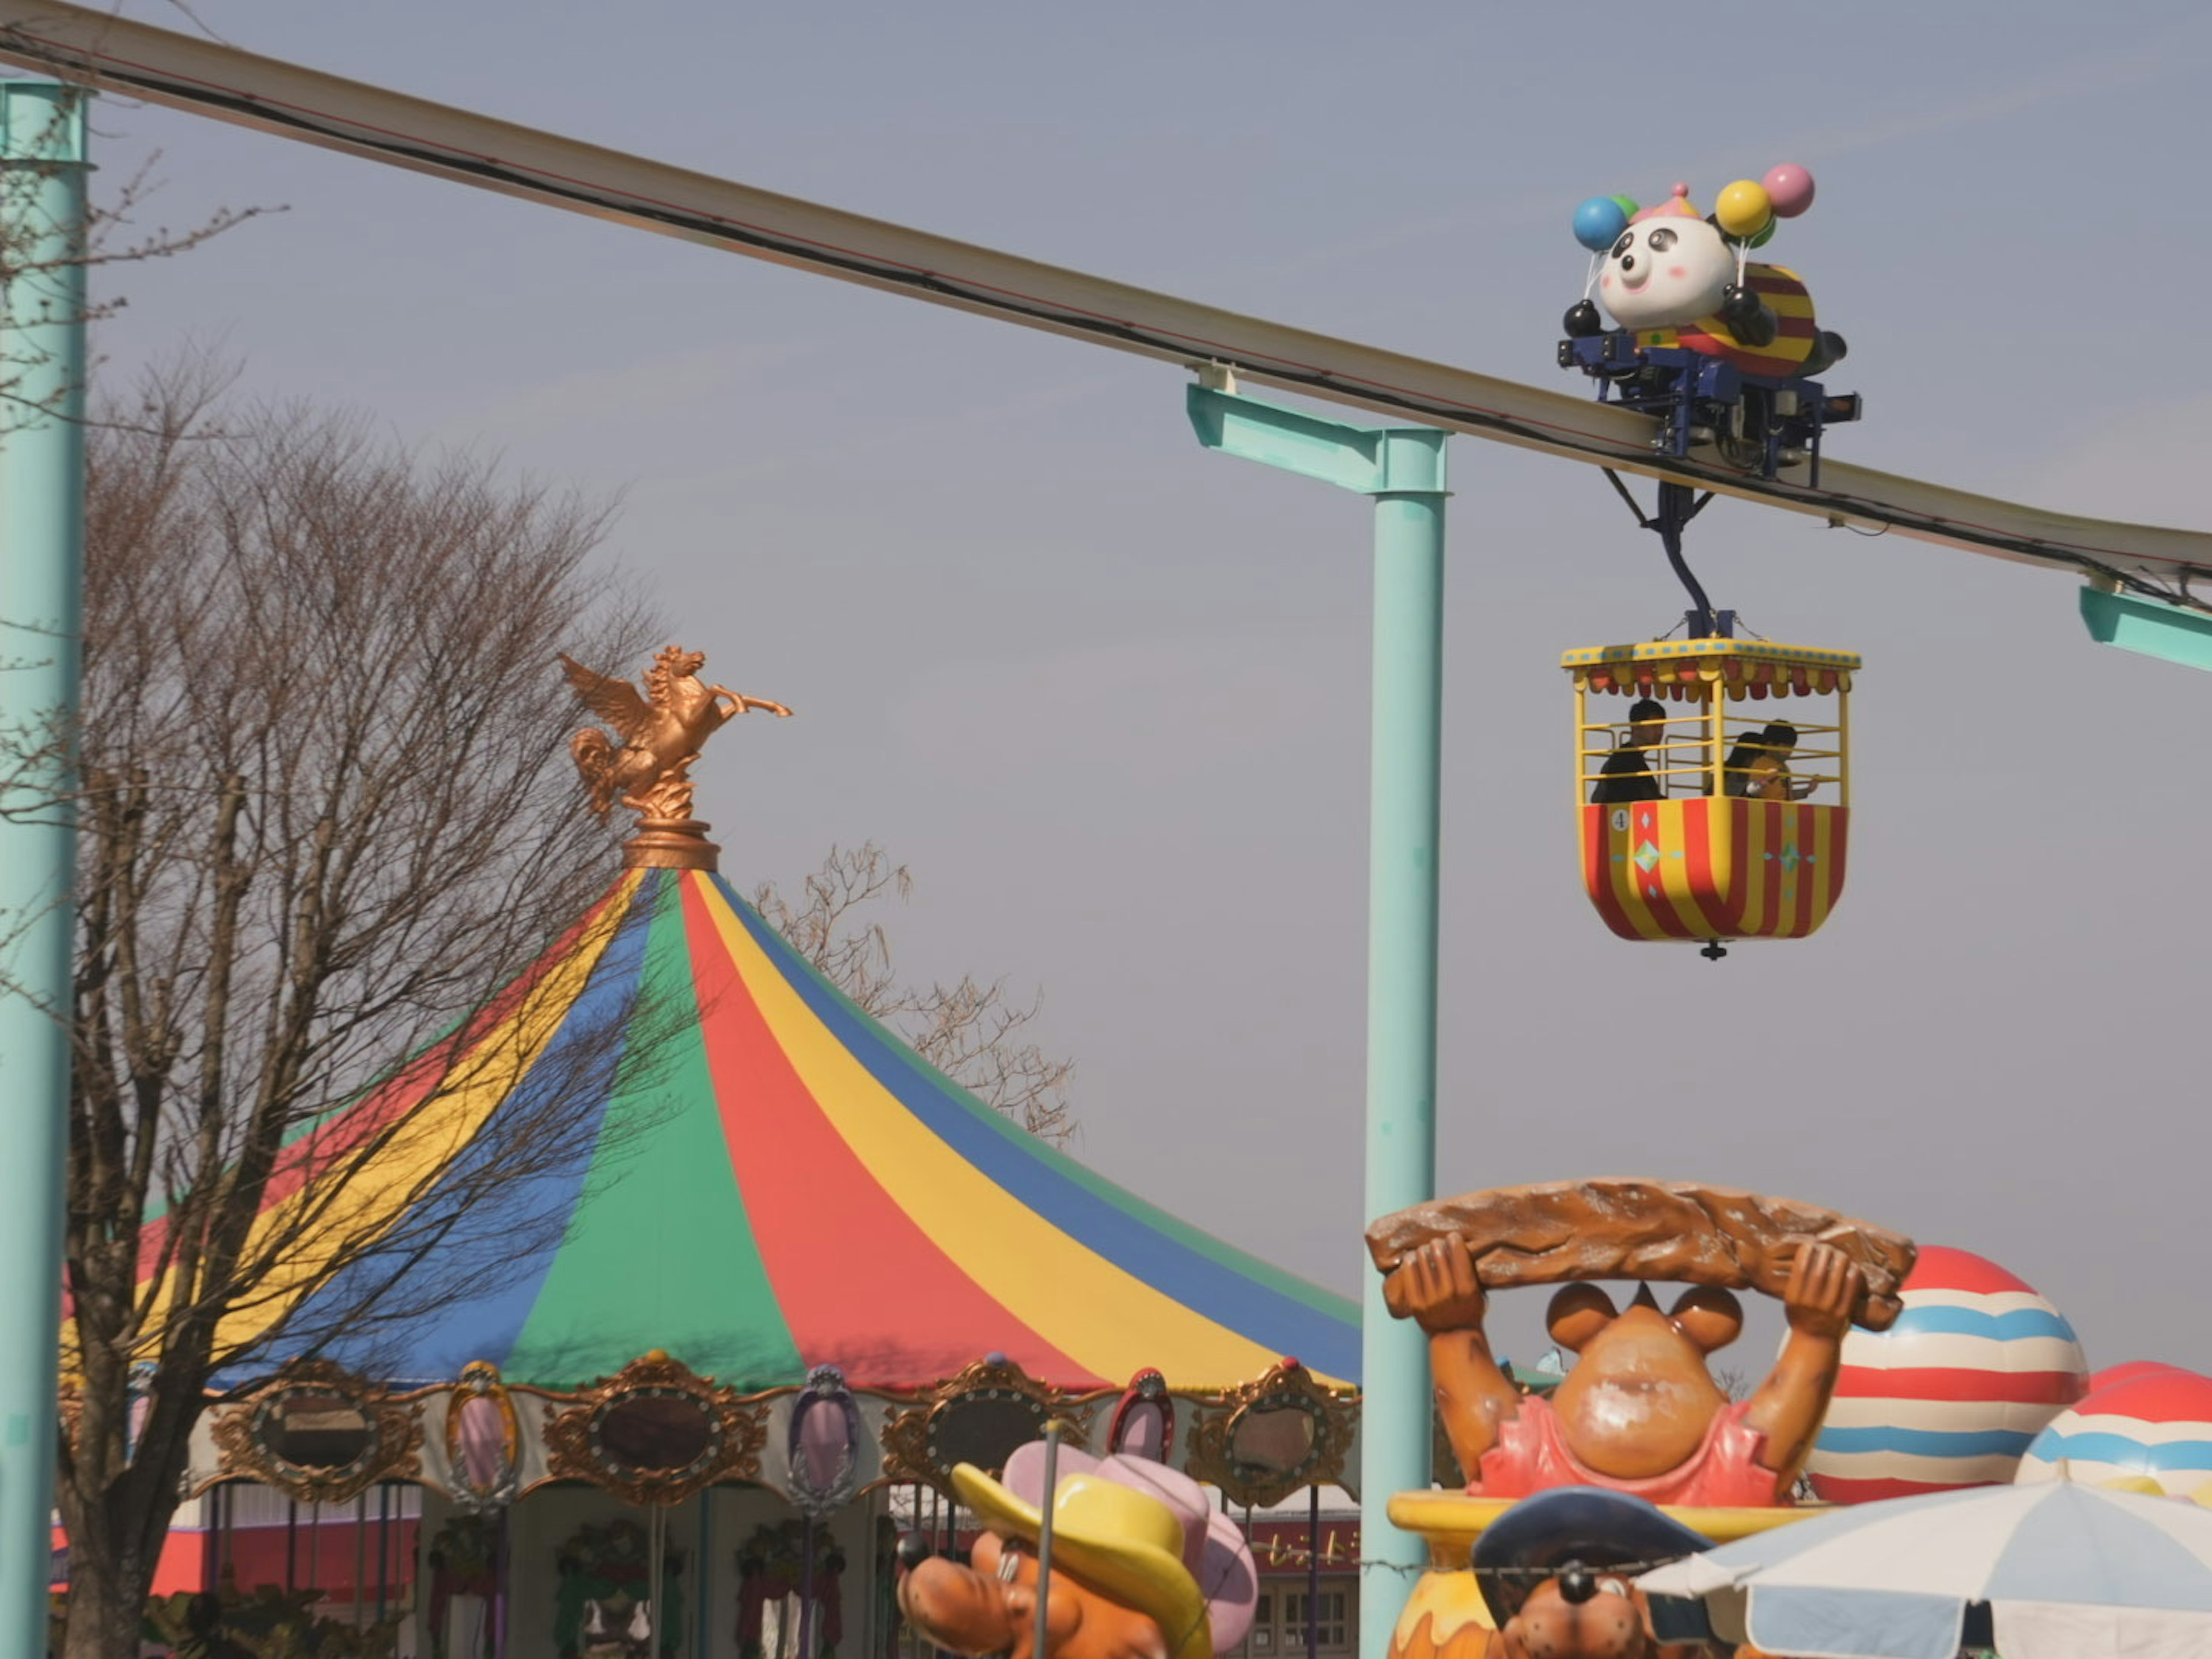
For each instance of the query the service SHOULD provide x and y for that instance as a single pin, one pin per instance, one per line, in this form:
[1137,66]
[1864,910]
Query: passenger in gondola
[1736,770]
[1758,768]
[1627,776]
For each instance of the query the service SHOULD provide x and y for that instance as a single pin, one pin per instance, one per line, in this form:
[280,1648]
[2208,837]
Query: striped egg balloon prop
[2126,1370]
[2156,1424]
[1953,1393]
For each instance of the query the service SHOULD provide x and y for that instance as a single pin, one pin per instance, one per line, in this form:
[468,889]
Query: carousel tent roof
[787,1184]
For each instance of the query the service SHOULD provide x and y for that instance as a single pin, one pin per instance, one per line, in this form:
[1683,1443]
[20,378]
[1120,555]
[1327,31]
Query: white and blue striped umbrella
[2066,1571]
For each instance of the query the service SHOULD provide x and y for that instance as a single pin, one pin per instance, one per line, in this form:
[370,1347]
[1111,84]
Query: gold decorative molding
[656,1432]
[293,1434]
[1226,1448]
[991,1401]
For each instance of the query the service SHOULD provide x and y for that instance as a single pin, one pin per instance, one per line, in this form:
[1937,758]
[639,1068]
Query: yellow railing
[1687,765]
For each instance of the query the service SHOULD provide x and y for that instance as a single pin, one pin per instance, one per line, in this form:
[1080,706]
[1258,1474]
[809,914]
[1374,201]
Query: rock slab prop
[1675,1231]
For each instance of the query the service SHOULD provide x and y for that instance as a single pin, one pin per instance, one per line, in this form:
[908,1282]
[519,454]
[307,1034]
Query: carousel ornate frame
[257,1443]
[683,1435]
[485,1465]
[1228,1447]
[991,1405]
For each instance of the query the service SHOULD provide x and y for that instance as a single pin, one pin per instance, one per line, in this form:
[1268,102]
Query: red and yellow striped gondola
[1720,811]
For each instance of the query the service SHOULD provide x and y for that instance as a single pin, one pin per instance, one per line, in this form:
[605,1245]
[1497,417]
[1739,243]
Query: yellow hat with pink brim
[1121,1542]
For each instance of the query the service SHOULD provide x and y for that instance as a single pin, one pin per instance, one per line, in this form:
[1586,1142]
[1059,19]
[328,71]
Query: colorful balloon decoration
[2156,1423]
[1599,221]
[1790,188]
[1746,213]
[1951,1394]
[1744,209]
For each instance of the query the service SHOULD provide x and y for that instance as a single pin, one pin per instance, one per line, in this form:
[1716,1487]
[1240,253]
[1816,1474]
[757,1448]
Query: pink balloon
[1789,187]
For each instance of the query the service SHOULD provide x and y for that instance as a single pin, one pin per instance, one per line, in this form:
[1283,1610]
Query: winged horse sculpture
[646,761]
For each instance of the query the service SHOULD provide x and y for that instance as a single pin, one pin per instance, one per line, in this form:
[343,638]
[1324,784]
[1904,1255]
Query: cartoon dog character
[1639,1412]
[1556,1572]
[1142,1566]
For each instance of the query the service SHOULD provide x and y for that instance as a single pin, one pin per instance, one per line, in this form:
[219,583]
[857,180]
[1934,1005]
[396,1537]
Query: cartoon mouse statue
[1638,1421]
[1639,1412]
[1143,1567]
[1672,276]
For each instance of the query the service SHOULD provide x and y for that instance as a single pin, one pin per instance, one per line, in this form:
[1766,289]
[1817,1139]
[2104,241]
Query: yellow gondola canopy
[1671,668]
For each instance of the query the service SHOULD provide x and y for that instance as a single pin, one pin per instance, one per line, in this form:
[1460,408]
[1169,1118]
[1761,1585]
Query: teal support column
[42,199]
[1401,1021]
[1402,468]
[2151,628]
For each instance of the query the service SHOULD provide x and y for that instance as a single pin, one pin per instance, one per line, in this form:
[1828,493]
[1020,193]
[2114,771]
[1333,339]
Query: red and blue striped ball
[2155,1423]
[1954,1392]
[2125,1371]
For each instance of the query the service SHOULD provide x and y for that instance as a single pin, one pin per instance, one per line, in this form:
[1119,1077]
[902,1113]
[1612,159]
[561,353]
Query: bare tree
[327,818]
[969,1031]
[119,229]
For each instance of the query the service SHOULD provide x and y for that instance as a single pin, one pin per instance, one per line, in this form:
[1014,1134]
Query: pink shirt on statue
[1531,1456]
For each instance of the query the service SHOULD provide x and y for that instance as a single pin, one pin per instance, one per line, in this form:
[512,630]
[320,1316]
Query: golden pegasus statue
[646,761]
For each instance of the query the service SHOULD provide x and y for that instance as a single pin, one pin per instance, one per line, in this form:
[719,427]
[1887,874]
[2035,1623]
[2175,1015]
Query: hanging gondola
[1714,794]
[1705,815]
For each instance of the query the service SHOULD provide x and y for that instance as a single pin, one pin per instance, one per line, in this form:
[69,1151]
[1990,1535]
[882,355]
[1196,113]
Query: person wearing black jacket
[1627,776]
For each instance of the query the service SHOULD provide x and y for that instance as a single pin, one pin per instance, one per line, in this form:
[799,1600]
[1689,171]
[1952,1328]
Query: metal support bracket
[2150,627]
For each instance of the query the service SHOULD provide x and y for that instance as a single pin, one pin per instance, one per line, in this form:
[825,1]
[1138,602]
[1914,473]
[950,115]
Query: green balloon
[1627,205]
[1766,235]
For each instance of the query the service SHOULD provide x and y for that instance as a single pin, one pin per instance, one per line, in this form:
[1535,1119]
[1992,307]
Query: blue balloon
[1599,222]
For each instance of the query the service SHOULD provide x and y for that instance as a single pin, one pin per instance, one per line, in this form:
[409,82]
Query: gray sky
[1106,693]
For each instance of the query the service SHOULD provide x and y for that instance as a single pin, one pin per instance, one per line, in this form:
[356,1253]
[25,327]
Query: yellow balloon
[1744,209]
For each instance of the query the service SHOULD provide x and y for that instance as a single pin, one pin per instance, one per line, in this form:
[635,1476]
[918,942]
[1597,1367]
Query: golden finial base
[672,844]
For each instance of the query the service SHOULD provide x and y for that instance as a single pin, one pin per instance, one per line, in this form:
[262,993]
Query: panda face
[1664,273]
